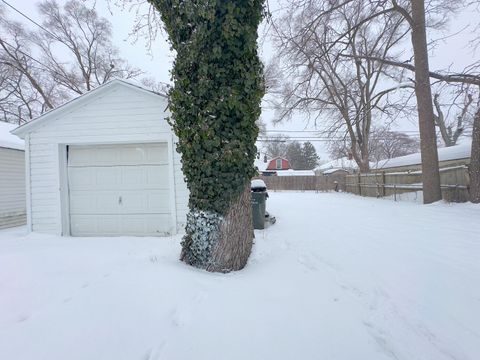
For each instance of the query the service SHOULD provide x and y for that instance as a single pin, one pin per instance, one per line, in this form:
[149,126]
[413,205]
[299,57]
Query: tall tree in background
[384,144]
[428,140]
[414,14]
[475,160]
[294,155]
[310,156]
[451,130]
[87,38]
[276,146]
[328,73]
[215,102]
[72,54]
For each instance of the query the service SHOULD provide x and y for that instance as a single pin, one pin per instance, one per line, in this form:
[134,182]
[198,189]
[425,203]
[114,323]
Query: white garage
[105,164]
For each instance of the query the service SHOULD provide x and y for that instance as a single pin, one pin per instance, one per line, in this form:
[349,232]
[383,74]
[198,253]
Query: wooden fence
[454,180]
[303,183]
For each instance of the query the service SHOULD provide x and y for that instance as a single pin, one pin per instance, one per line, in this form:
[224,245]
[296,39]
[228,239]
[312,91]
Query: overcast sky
[451,52]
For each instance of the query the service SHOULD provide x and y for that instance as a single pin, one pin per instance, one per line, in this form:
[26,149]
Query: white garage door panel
[119,202]
[118,177]
[113,155]
[119,225]
[119,190]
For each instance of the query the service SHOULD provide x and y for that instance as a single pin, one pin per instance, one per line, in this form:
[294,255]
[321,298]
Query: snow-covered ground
[337,277]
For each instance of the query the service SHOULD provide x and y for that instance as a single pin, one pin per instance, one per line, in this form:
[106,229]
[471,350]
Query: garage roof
[69,105]
[461,151]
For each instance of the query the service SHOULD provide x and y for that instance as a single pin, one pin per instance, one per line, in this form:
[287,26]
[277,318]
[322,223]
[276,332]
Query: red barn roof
[278,163]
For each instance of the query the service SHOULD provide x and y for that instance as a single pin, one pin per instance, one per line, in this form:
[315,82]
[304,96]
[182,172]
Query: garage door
[119,190]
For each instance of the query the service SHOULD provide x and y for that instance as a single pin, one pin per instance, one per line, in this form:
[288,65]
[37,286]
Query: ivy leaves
[215,101]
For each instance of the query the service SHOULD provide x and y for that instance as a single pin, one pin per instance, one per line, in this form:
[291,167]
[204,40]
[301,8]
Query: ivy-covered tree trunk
[215,101]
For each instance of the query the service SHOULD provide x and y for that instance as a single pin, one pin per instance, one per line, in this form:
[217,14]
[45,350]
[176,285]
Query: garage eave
[24,129]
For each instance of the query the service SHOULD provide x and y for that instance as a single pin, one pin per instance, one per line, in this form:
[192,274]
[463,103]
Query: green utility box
[258,209]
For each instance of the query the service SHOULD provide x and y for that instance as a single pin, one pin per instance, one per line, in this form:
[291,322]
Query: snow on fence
[304,183]
[454,180]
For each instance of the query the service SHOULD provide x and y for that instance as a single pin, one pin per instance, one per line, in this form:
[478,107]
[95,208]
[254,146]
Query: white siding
[12,187]
[119,115]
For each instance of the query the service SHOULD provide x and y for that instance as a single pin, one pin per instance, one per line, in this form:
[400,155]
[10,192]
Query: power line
[30,19]
[320,131]
[22,52]
[319,139]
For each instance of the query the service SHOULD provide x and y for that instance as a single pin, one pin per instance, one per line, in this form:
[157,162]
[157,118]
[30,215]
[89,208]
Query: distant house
[12,178]
[345,164]
[278,163]
[271,167]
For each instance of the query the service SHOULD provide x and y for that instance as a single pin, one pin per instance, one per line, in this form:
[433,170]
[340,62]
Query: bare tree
[436,14]
[387,144]
[330,77]
[276,146]
[418,16]
[87,37]
[384,144]
[72,53]
[25,90]
[452,129]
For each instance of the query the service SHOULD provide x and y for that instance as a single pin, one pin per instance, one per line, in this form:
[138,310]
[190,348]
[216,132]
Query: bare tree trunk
[220,244]
[475,161]
[236,236]
[428,142]
[364,166]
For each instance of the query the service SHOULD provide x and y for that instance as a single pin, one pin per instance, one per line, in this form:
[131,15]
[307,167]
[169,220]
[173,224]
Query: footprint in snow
[154,353]
[307,263]
[180,317]
[23,317]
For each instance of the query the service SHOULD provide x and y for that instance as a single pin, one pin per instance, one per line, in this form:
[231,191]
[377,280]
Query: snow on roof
[8,140]
[460,151]
[331,171]
[342,163]
[292,172]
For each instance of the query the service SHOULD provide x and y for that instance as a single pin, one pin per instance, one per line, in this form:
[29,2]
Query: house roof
[460,151]
[342,163]
[8,140]
[332,170]
[277,157]
[69,105]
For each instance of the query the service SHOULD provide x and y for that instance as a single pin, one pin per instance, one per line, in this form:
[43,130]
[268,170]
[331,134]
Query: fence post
[395,192]
[383,184]
[359,184]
